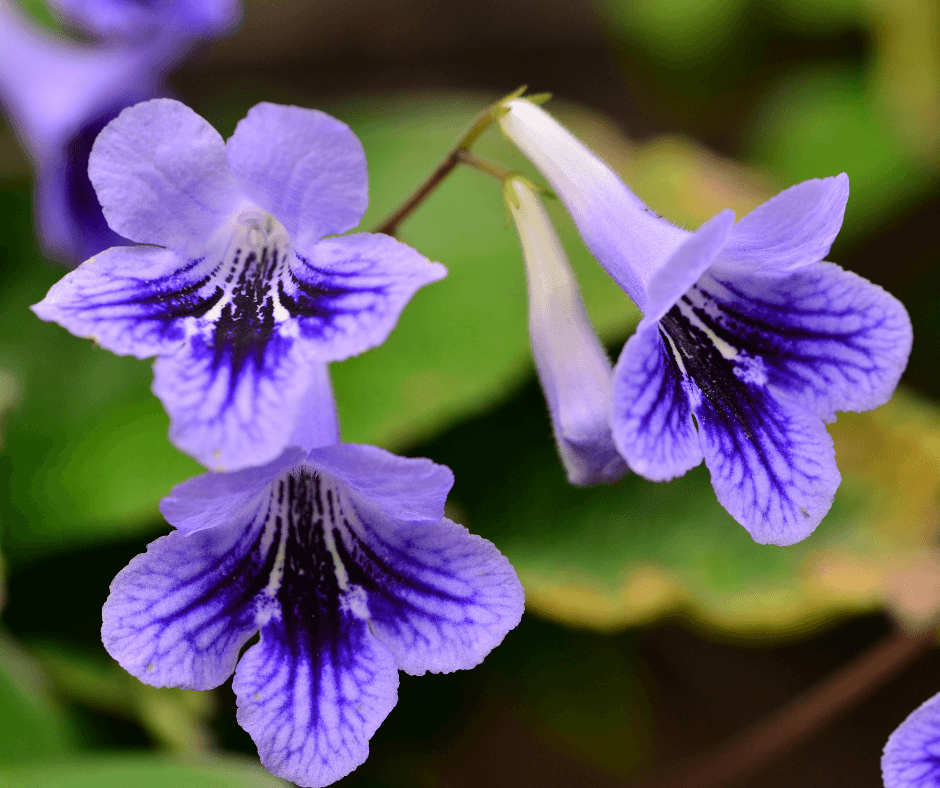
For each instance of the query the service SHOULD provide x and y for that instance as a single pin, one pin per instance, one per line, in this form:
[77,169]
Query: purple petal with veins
[345,565]
[912,755]
[236,311]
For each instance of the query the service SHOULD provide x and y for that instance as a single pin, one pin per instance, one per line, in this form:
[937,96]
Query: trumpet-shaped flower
[572,365]
[912,755]
[749,342]
[342,558]
[240,291]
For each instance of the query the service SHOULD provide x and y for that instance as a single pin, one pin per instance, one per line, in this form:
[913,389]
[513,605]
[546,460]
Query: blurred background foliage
[655,627]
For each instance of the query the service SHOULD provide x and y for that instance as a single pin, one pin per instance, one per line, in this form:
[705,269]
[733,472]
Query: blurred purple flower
[748,344]
[341,556]
[572,365]
[58,94]
[248,292]
[912,755]
[136,21]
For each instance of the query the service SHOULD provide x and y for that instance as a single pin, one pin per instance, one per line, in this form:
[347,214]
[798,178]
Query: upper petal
[650,412]
[347,293]
[161,175]
[912,755]
[791,230]
[218,499]
[572,365]
[130,300]
[303,166]
[178,615]
[686,265]
[408,489]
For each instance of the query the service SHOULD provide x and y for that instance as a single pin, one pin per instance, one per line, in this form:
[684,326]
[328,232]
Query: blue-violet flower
[241,292]
[748,344]
[134,21]
[912,755]
[572,365]
[340,555]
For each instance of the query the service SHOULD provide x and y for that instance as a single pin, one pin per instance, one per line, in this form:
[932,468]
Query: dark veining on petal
[731,398]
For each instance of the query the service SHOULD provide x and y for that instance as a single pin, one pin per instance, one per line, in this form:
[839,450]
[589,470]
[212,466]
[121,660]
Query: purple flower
[912,755]
[749,343]
[342,558]
[241,292]
[572,365]
[59,94]
[132,20]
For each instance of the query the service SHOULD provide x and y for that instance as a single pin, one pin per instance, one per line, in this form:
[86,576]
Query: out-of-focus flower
[241,292]
[912,755]
[58,94]
[341,556]
[572,365]
[135,21]
[749,343]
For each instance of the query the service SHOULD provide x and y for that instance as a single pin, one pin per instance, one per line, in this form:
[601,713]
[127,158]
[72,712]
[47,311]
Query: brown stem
[461,152]
[754,749]
[390,225]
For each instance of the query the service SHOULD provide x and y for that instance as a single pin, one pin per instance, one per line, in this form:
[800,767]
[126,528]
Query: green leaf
[33,725]
[621,555]
[143,771]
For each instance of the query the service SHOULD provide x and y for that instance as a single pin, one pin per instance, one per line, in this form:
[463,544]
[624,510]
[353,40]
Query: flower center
[708,353]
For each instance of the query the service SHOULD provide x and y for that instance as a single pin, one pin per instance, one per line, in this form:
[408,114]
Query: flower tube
[749,342]
[572,365]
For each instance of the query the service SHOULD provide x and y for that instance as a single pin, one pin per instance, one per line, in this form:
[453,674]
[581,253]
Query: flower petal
[348,292]
[651,415]
[312,692]
[303,166]
[161,175]
[408,489]
[572,365]
[134,21]
[772,463]
[628,239]
[218,499]
[912,755]
[178,615]
[233,404]
[440,597]
[686,265]
[130,300]
[793,229]
[824,337]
